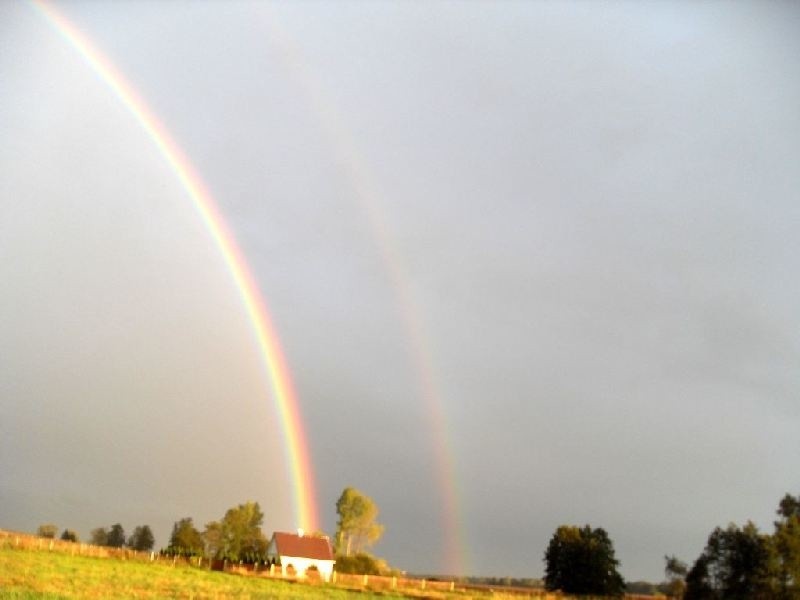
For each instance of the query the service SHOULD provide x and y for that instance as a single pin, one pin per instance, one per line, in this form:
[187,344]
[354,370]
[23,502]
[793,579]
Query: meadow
[44,574]
[33,573]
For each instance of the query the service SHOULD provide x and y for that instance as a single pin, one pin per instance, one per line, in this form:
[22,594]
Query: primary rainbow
[299,464]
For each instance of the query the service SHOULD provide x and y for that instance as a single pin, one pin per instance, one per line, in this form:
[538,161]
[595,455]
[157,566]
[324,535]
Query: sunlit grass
[41,574]
[36,572]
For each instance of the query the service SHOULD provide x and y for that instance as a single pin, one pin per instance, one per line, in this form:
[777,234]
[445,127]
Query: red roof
[291,544]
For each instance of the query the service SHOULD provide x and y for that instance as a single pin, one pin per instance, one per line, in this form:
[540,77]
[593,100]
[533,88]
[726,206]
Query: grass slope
[42,574]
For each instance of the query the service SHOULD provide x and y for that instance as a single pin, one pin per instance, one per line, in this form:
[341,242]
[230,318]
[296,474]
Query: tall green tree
[186,539]
[580,560]
[241,535]
[357,528]
[736,564]
[116,536]
[786,548]
[142,539]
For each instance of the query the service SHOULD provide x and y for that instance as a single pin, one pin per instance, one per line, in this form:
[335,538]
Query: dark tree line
[741,563]
[141,540]
[114,537]
[737,563]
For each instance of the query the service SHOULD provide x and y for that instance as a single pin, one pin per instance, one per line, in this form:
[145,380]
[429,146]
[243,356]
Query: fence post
[333,577]
[394,582]
[423,584]
[366,579]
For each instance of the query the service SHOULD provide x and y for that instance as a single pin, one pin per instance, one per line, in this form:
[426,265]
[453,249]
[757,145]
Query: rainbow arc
[286,401]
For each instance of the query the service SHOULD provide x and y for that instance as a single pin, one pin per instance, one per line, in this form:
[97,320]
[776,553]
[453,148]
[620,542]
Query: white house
[299,552]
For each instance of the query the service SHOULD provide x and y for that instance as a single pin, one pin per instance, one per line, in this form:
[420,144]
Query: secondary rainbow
[366,192]
[297,456]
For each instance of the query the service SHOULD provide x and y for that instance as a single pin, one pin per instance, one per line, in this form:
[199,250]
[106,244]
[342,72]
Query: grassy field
[36,572]
[42,574]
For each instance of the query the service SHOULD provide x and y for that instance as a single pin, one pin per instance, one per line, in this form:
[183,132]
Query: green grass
[39,574]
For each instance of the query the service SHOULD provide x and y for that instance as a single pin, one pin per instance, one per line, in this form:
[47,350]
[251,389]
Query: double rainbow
[297,457]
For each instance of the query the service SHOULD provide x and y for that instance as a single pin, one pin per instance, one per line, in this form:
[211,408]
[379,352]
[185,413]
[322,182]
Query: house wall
[301,565]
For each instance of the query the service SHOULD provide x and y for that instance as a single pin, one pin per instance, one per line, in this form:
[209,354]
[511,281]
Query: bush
[48,530]
[358,564]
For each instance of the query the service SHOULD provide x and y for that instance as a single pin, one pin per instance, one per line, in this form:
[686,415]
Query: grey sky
[592,209]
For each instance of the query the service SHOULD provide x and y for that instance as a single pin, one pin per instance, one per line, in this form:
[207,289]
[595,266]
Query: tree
[241,535]
[789,506]
[736,564]
[698,586]
[99,536]
[142,539]
[69,535]
[212,539]
[676,571]
[580,560]
[48,530]
[186,539]
[116,537]
[786,548]
[356,527]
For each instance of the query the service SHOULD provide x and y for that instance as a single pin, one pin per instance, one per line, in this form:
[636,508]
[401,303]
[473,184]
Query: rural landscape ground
[35,568]
[30,569]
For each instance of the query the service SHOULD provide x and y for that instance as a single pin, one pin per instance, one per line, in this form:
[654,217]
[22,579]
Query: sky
[530,264]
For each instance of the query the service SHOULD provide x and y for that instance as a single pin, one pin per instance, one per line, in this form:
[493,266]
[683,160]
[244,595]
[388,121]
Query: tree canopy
[98,536]
[356,527]
[240,532]
[69,535]
[116,536]
[212,538]
[735,564]
[739,562]
[186,540]
[786,547]
[676,571]
[580,560]
[142,539]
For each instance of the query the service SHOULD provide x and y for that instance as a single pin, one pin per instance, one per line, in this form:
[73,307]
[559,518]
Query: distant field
[42,574]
